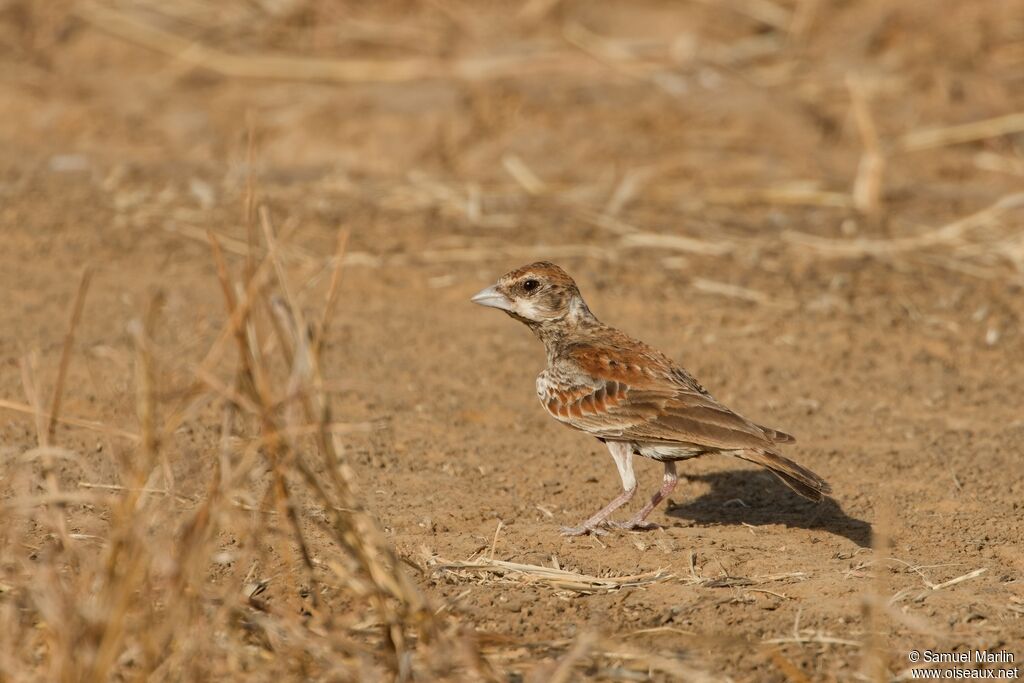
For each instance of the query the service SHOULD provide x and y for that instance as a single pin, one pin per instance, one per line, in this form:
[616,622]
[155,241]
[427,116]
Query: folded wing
[648,402]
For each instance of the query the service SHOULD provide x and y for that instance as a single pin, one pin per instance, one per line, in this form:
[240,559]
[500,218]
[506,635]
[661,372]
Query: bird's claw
[582,530]
[597,530]
[633,525]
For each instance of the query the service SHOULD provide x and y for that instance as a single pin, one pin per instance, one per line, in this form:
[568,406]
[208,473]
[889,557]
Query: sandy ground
[898,371]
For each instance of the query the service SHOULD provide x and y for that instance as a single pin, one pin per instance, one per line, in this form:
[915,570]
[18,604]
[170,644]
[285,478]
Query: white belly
[664,452]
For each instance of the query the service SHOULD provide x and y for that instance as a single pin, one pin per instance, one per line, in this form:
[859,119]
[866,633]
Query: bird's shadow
[758,498]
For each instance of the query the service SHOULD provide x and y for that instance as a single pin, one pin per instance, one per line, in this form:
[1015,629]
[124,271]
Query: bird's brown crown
[544,271]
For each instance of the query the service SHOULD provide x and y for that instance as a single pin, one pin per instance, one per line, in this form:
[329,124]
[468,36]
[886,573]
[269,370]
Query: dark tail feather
[800,479]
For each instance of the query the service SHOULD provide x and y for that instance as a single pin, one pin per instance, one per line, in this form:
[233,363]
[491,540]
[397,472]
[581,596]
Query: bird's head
[540,295]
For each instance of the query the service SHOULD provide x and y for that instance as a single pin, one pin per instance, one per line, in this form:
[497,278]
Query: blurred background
[816,205]
[656,113]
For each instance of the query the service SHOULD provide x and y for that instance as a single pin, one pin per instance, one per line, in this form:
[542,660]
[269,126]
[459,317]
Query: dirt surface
[898,367]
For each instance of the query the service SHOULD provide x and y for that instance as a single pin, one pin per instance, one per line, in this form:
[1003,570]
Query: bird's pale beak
[493,298]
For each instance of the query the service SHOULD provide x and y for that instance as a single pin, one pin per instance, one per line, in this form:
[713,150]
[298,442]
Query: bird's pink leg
[623,456]
[667,485]
[591,525]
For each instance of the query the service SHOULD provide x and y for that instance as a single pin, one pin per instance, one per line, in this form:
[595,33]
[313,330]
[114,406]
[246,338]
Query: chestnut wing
[623,398]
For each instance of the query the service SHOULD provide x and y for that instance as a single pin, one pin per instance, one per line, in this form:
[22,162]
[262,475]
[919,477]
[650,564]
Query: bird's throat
[555,333]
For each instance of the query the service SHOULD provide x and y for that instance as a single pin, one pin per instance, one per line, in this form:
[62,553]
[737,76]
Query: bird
[632,397]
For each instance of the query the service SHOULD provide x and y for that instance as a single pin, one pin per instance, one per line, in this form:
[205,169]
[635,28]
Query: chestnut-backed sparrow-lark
[631,397]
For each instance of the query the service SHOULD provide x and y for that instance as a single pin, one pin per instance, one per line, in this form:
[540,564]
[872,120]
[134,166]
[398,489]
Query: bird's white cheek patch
[527,309]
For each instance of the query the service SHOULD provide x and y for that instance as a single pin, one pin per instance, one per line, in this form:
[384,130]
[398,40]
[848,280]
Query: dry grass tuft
[174,586]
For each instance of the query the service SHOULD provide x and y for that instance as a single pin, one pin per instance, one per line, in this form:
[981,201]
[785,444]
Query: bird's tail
[800,479]
[777,436]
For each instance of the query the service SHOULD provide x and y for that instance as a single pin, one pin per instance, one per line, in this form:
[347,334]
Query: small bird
[630,396]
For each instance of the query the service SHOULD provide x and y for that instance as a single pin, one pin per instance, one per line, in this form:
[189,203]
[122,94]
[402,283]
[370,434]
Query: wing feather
[615,397]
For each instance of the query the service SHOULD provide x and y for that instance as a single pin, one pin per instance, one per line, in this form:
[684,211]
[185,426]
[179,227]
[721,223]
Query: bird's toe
[582,530]
[634,525]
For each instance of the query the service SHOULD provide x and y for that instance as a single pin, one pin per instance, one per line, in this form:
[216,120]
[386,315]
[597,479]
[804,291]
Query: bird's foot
[583,530]
[634,525]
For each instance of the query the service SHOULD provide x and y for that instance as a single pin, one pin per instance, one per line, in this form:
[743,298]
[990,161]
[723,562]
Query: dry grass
[551,577]
[173,587]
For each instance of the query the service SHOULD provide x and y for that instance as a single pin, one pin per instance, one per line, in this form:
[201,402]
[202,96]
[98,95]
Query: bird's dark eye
[531,285]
